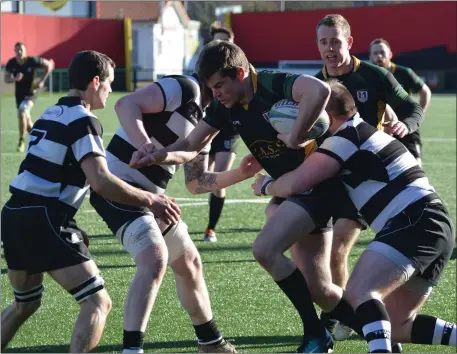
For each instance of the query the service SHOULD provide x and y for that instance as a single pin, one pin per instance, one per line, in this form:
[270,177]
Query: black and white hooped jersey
[64,135]
[380,174]
[182,111]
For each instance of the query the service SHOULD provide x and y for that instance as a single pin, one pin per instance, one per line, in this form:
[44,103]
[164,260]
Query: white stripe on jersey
[175,96]
[376,142]
[49,150]
[28,182]
[364,191]
[342,147]
[400,164]
[73,196]
[69,115]
[180,125]
[125,172]
[88,144]
[122,134]
[368,191]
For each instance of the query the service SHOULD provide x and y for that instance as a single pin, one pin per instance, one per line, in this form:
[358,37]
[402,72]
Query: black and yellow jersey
[372,88]
[251,122]
[407,78]
[27,68]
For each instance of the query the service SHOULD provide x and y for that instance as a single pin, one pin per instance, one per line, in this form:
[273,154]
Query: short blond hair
[336,21]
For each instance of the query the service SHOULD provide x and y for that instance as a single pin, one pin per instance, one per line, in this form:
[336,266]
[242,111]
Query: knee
[189,264]
[320,291]
[100,304]
[152,263]
[262,253]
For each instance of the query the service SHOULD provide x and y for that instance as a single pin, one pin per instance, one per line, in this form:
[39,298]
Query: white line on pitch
[229,201]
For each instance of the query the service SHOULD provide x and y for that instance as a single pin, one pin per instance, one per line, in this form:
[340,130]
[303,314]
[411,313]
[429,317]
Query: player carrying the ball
[244,97]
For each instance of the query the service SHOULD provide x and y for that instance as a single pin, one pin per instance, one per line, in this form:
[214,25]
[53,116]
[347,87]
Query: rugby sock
[296,289]
[216,205]
[328,322]
[208,333]
[432,330]
[344,313]
[375,322]
[133,342]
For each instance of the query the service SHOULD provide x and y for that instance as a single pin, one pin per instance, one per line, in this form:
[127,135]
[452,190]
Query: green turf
[247,304]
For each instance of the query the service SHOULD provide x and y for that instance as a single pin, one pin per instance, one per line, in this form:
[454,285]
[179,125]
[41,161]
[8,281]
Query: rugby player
[20,70]
[414,232]
[65,156]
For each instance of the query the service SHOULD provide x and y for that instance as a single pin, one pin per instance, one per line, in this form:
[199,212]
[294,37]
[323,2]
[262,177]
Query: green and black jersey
[407,78]
[250,121]
[27,68]
[372,88]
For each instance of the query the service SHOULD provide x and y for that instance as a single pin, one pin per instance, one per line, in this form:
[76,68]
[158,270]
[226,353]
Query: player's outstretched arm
[315,169]
[180,152]
[200,180]
[111,187]
[312,95]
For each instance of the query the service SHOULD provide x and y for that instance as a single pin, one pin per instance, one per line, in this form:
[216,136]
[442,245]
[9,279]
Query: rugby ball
[283,114]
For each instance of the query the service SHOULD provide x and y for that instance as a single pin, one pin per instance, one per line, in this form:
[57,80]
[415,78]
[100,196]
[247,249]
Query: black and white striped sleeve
[86,139]
[340,146]
[178,91]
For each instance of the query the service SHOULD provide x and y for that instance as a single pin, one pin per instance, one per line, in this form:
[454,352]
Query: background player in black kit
[381,55]
[21,70]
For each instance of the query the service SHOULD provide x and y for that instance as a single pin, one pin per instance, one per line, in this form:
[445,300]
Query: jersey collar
[393,67]
[71,101]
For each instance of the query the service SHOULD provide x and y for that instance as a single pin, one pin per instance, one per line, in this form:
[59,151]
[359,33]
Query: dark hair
[216,27]
[341,102]
[19,44]
[220,56]
[85,66]
[336,21]
[379,41]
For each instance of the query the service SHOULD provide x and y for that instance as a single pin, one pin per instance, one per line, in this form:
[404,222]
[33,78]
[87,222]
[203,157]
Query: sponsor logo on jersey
[362,95]
[264,149]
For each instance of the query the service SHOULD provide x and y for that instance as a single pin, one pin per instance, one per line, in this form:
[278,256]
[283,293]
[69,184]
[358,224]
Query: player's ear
[350,42]
[240,74]
[390,54]
[96,82]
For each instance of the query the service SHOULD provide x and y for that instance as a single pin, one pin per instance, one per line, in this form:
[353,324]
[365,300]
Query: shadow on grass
[179,346]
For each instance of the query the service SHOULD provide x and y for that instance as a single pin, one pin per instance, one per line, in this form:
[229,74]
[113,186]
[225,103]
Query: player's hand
[260,181]
[40,85]
[285,138]
[396,128]
[249,166]
[19,77]
[165,208]
[144,156]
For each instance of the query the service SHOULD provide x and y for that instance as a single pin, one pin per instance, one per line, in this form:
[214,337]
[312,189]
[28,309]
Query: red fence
[273,36]
[60,38]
